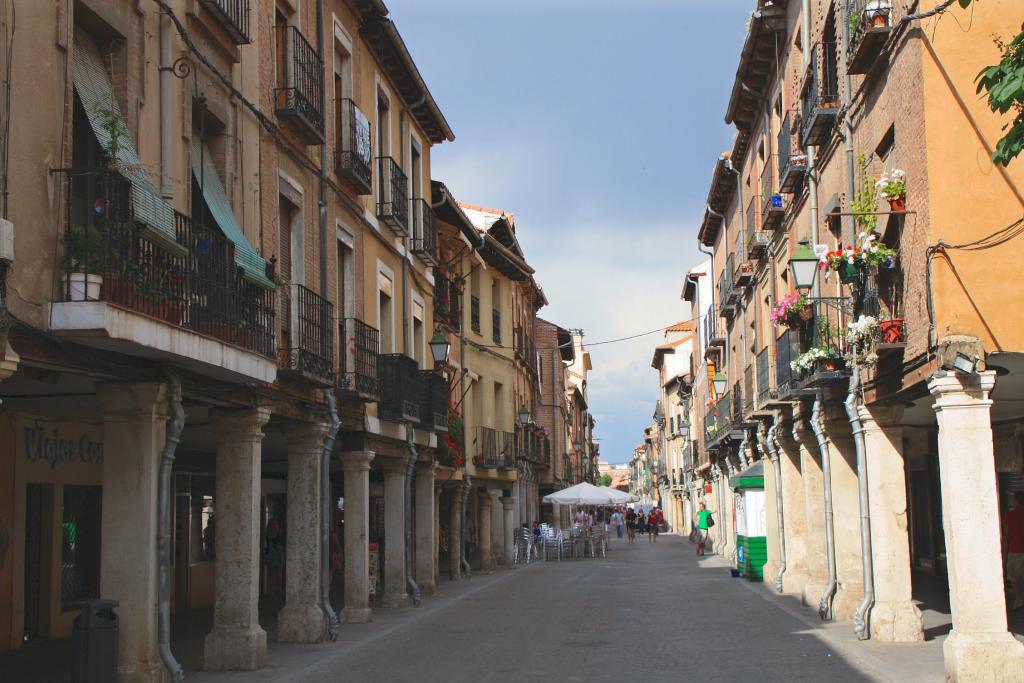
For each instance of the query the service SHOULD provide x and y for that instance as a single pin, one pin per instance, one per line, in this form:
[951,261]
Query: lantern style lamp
[804,266]
[721,383]
[965,364]
[440,347]
[659,414]
[523,414]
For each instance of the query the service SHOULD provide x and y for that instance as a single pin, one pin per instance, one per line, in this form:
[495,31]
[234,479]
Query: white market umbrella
[584,494]
[619,496]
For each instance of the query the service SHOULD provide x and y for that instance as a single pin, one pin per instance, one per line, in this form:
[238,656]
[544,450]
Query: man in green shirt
[704,522]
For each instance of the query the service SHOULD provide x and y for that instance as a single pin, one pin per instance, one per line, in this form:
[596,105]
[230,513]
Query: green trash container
[94,643]
[751,525]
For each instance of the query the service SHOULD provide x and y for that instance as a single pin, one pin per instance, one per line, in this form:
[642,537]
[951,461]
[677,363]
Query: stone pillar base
[229,648]
[301,624]
[896,622]
[792,581]
[811,592]
[391,600]
[427,588]
[357,615]
[988,657]
[847,600]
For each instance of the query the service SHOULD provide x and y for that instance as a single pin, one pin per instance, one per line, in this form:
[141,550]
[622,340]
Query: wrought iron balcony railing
[474,313]
[787,348]
[870,22]
[773,202]
[757,244]
[310,349]
[493,449]
[447,302]
[233,16]
[392,195]
[792,159]
[299,95]
[424,232]
[748,389]
[820,96]
[401,388]
[825,331]
[434,404]
[763,369]
[198,288]
[359,350]
[353,158]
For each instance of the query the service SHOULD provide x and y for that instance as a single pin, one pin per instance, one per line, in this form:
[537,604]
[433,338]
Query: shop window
[80,545]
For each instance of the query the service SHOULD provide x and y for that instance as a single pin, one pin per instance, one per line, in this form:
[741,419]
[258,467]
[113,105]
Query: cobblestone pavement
[647,612]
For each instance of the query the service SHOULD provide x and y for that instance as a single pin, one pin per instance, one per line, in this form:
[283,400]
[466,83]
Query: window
[499,404]
[418,339]
[415,170]
[496,311]
[385,312]
[383,125]
[80,545]
[474,300]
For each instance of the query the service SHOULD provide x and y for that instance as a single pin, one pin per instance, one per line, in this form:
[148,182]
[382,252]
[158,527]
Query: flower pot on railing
[82,286]
[849,273]
[832,364]
[891,331]
[898,204]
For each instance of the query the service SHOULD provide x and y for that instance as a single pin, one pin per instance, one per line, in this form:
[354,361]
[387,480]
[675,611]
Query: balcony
[494,449]
[870,23]
[474,313]
[393,196]
[743,277]
[713,336]
[792,160]
[424,232]
[401,388]
[434,404]
[773,203]
[447,302]
[353,160]
[360,347]
[890,334]
[787,348]
[309,348]
[748,390]
[120,291]
[757,244]
[765,387]
[299,95]
[820,96]
[827,331]
[233,16]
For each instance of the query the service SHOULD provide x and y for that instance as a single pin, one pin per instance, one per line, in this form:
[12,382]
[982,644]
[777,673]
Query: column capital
[508,503]
[953,389]
[393,467]
[132,401]
[245,425]
[880,416]
[356,461]
[426,468]
[306,435]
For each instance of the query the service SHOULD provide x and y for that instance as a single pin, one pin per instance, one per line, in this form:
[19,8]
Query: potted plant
[892,187]
[791,310]
[890,329]
[849,262]
[84,262]
[809,359]
[876,13]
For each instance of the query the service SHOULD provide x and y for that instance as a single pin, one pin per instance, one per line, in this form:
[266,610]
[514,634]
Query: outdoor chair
[523,545]
[550,538]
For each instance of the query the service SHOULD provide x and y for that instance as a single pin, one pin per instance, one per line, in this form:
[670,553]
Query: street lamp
[524,414]
[659,414]
[440,347]
[804,266]
[721,383]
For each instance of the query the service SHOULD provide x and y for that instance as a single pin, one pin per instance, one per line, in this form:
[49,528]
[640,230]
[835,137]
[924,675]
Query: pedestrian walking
[661,524]
[617,520]
[704,522]
[631,524]
[652,526]
[1013,524]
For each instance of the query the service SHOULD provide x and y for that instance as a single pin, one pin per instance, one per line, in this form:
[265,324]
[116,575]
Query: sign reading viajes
[52,446]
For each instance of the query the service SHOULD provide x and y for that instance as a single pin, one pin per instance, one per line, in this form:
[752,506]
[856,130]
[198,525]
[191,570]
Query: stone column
[497,526]
[357,536]
[436,555]
[508,509]
[134,417]
[237,641]
[302,619]
[394,533]
[794,509]
[979,647]
[846,518]
[455,535]
[814,513]
[426,542]
[483,527]
[894,616]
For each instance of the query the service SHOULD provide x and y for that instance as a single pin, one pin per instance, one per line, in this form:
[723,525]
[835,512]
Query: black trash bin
[94,643]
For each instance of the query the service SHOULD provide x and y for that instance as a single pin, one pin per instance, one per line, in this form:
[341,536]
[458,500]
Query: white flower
[897,174]
[883,195]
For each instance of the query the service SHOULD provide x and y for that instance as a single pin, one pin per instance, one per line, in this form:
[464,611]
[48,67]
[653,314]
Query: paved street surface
[648,612]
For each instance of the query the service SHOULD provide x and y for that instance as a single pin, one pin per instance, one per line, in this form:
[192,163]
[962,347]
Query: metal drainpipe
[326,505]
[322,205]
[723,518]
[166,72]
[773,454]
[861,618]
[467,485]
[851,186]
[171,436]
[410,443]
[825,605]
[812,181]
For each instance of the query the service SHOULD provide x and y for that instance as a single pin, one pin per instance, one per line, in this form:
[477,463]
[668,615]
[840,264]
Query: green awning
[92,84]
[750,478]
[254,268]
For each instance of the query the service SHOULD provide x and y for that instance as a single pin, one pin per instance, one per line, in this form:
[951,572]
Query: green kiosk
[751,531]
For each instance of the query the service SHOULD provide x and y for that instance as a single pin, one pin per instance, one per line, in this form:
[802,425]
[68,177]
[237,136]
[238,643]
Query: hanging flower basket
[849,273]
[891,331]
[806,313]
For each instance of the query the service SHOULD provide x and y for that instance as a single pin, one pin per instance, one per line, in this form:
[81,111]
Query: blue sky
[596,123]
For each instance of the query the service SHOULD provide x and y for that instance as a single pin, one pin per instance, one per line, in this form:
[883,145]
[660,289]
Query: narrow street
[624,617]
